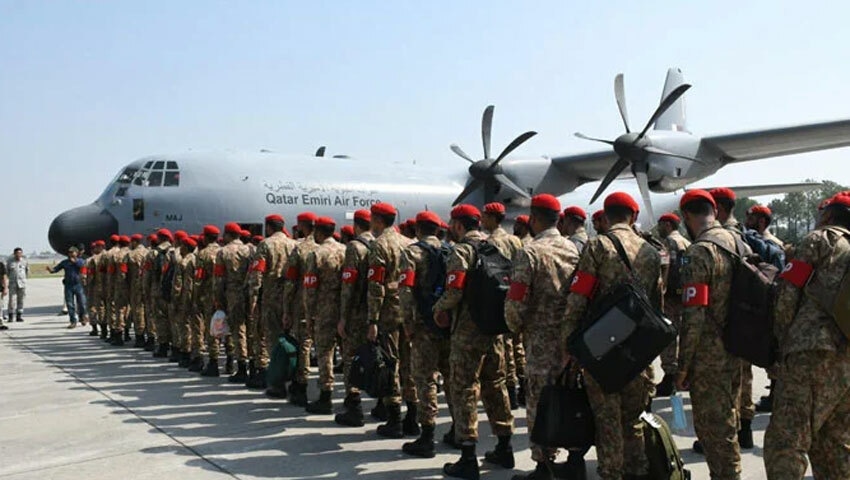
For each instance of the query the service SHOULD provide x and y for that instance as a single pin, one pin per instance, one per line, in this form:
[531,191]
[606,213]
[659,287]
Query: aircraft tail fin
[674,118]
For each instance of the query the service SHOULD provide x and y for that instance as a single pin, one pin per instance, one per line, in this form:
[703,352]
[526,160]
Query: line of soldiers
[330,294]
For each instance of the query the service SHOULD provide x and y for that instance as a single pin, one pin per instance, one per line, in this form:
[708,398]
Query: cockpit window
[172,179]
[127,175]
[157,173]
[155,179]
[148,164]
[159,165]
[172,165]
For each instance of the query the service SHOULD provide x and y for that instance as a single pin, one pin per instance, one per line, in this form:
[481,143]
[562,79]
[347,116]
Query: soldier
[135,271]
[521,229]
[429,347]
[346,234]
[231,267]
[481,355]
[17,269]
[107,325]
[353,312]
[205,292]
[182,298]
[293,305]
[94,284]
[711,373]
[812,403]
[600,222]
[619,430]
[162,262]
[266,292]
[322,284]
[675,244]
[149,281]
[540,270]
[256,240]
[172,269]
[574,218]
[121,292]
[758,219]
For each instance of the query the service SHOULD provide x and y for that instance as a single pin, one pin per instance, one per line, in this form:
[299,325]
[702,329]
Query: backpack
[767,250]
[487,285]
[283,361]
[426,296]
[373,369]
[748,327]
[674,274]
[165,266]
[665,462]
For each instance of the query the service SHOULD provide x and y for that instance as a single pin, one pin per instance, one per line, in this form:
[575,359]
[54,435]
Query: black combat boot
[241,373]
[698,448]
[745,434]
[573,469]
[228,365]
[140,341]
[150,343]
[503,454]
[211,370]
[322,406]
[196,365]
[104,334]
[298,394]
[117,339]
[449,438]
[276,391]
[19,317]
[665,388]
[543,471]
[393,427]
[512,397]
[520,394]
[380,411]
[257,380]
[423,446]
[410,426]
[765,404]
[185,360]
[174,356]
[466,467]
[93,332]
[353,414]
[127,335]
[161,351]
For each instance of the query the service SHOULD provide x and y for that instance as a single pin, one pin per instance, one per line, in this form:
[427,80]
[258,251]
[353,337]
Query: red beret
[337,236]
[576,212]
[137,237]
[621,199]
[152,238]
[348,230]
[233,228]
[825,203]
[274,218]
[841,198]
[190,242]
[428,217]
[694,195]
[522,219]
[164,232]
[257,238]
[494,207]
[211,230]
[308,217]
[180,234]
[363,215]
[444,225]
[325,222]
[723,192]
[762,210]
[93,244]
[670,217]
[466,210]
[598,214]
[124,239]
[382,208]
[100,243]
[244,233]
[114,238]
[546,201]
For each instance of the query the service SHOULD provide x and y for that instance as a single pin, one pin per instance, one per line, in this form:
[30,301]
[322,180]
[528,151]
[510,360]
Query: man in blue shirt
[75,298]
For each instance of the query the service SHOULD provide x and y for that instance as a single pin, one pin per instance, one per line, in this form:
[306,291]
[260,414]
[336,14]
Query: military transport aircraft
[189,190]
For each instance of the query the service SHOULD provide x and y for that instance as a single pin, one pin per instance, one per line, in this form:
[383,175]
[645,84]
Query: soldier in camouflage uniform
[121,293]
[204,294]
[162,261]
[675,244]
[533,307]
[322,284]
[429,346]
[619,430]
[94,284]
[811,413]
[266,293]
[711,374]
[182,298]
[107,322]
[482,356]
[172,265]
[600,222]
[149,281]
[353,310]
[573,222]
[135,260]
[231,267]
[522,230]
[293,305]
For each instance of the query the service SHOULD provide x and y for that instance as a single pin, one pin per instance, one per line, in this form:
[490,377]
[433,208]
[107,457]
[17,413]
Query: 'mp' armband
[456,279]
[407,278]
[349,275]
[797,273]
[376,274]
[695,295]
[584,284]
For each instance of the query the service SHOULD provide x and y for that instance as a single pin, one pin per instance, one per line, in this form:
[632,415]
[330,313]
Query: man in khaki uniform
[205,292]
[121,293]
[163,261]
[231,267]
[675,244]
[600,222]
[182,298]
[108,322]
[135,261]
[573,222]
[619,430]
[93,279]
[149,284]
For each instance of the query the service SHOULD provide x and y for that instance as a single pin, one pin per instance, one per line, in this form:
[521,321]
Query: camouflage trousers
[429,358]
[482,376]
[120,306]
[355,336]
[746,407]
[237,322]
[544,360]
[715,391]
[197,332]
[163,324]
[136,311]
[269,328]
[150,315]
[108,307]
[811,414]
[254,335]
[180,324]
[305,344]
[214,346]
[670,356]
[405,370]
[97,309]
[324,337]
[619,430]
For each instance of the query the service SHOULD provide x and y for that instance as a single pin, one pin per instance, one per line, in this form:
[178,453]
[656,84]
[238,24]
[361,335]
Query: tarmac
[73,407]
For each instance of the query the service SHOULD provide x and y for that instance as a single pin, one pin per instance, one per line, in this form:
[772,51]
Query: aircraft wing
[587,167]
[778,189]
[742,147]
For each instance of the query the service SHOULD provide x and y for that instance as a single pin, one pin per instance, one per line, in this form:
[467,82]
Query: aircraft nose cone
[81,225]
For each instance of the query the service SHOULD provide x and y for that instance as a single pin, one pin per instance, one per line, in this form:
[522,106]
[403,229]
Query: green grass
[37,270]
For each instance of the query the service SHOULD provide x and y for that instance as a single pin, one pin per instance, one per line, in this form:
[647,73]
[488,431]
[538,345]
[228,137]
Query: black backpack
[164,270]
[748,330]
[434,284]
[373,368]
[487,285]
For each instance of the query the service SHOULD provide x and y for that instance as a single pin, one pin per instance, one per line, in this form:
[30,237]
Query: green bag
[665,462]
[283,362]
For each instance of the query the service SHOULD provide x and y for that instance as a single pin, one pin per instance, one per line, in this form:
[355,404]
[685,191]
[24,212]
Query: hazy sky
[86,87]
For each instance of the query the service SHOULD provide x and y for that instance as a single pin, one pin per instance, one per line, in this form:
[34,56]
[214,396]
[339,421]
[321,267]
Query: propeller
[633,149]
[487,172]
[321,151]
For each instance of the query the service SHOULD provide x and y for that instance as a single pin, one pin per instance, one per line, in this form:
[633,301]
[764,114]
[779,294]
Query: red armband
[376,274]
[110,269]
[311,280]
[517,291]
[292,274]
[167,267]
[123,267]
[349,275]
[407,278]
[797,273]
[200,273]
[456,279]
[584,284]
[695,295]
[84,271]
[219,271]
[147,266]
[259,265]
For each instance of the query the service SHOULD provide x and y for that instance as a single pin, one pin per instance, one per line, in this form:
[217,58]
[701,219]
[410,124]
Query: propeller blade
[615,172]
[661,151]
[668,101]
[470,187]
[512,146]
[487,128]
[460,153]
[620,95]
[504,180]
[585,137]
[643,184]
[321,151]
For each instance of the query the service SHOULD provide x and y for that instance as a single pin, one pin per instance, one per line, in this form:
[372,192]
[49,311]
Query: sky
[87,87]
